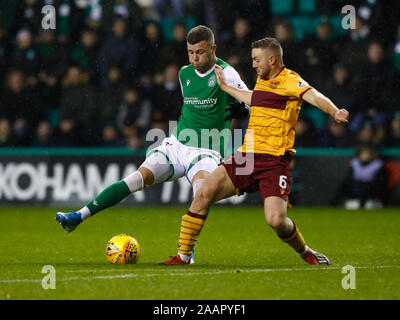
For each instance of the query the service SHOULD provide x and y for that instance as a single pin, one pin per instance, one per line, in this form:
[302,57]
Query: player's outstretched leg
[191,226]
[215,187]
[297,242]
[313,257]
[69,220]
[109,197]
[275,212]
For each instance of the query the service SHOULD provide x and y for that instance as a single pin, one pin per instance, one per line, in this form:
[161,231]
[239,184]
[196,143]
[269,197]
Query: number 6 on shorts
[282,182]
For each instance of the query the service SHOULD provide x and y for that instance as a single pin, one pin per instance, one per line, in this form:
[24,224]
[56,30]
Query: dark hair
[200,33]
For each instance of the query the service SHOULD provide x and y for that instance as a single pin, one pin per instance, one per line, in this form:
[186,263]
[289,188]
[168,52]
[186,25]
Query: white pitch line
[216,270]
[20,280]
[117,270]
[184,273]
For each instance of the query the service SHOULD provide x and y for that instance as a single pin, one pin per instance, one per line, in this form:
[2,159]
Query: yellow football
[123,249]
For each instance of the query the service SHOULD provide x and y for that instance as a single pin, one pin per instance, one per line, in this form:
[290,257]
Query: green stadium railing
[71,151]
[303,152]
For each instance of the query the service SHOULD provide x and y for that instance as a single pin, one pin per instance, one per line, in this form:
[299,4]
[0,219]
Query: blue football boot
[69,221]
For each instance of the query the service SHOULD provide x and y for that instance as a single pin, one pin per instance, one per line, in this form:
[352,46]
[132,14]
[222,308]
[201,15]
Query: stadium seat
[336,22]
[302,26]
[7,13]
[281,7]
[307,25]
[315,115]
[306,6]
[167,25]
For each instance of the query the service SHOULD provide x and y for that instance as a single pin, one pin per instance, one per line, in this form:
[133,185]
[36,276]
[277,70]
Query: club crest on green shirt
[212,81]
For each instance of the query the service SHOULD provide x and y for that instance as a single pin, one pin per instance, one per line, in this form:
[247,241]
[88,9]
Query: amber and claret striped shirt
[275,108]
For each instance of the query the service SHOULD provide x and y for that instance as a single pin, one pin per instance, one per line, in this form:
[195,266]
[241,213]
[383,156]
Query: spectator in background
[393,135]
[50,92]
[110,97]
[20,105]
[133,114]
[66,134]
[94,14]
[373,91]
[119,48]
[111,137]
[372,13]
[342,88]
[73,17]
[335,135]
[365,181]
[320,53]
[305,133]
[204,11]
[354,46]
[25,56]
[226,12]
[85,53]
[370,134]
[129,10]
[236,50]
[150,52]
[44,135]
[6,135]
[377,72]
[78,113]
[134,142]
[247,9]
[167,99]
[175,51]
[294,57]
[52,57]
[170,8]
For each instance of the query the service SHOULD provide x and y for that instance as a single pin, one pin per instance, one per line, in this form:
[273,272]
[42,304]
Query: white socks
[184,257]
[85,213]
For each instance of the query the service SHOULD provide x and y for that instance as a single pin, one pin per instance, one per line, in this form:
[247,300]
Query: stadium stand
[138,41]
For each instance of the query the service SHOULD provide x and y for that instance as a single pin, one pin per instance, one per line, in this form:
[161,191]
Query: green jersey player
[194,148]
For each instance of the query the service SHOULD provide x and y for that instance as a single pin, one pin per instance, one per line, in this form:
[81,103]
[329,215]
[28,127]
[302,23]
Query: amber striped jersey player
[275,105]
[267,149]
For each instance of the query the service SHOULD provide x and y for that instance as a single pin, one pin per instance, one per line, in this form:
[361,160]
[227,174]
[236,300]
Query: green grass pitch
[237,256]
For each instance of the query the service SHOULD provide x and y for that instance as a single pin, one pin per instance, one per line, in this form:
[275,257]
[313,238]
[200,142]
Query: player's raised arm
[320,101]
[239,94]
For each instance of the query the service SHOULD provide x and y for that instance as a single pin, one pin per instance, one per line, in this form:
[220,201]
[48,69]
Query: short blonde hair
[268,43]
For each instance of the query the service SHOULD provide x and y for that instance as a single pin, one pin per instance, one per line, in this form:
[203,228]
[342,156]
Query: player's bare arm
[239,94]
[320,101]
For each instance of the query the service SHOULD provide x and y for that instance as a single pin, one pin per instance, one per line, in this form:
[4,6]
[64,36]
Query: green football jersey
[201,123]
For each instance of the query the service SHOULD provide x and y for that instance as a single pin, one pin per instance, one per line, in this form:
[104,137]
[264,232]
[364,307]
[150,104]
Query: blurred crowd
[109,71]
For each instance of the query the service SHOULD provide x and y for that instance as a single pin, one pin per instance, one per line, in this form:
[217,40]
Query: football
[123,249]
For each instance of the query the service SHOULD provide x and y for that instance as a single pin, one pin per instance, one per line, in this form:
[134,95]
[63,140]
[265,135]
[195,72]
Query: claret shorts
[267,173]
